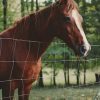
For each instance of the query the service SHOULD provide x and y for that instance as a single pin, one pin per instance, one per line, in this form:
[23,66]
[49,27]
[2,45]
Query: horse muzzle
[84,50]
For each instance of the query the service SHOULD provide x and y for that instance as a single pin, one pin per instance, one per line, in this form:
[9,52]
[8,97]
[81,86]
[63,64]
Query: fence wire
[71,92]
[56,62]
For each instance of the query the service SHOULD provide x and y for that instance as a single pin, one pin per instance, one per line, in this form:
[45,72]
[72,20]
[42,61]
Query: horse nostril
[82,49]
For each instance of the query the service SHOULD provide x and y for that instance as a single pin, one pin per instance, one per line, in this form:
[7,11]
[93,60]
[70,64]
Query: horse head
[67,25]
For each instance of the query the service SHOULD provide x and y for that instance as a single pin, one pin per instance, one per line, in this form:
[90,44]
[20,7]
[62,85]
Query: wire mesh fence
[64,76]
[64,72]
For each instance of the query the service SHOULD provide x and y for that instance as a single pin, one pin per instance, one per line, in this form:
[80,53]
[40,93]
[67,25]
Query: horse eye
[67,19]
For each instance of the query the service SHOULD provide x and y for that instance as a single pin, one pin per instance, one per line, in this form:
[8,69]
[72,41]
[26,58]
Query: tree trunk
[78,72]
[65,78]
[84,12]
[97,77]
[68,75]
[85,72]
[32,5]
[54,71]
[37,5]
[54,76]
[27,5]
[40,81]
[22,8]
[84,25]
[4,13]
[66,70]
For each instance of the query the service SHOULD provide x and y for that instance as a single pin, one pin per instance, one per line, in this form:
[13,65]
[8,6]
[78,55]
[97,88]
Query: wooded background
[59,57]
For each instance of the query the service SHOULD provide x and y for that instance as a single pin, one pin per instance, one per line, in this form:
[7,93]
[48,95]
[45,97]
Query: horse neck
[41,26]
[42,31]
[34,28]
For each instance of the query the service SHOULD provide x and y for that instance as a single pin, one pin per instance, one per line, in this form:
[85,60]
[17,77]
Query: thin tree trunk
[65,77]
[32,5]
[85,72]
[4,13]
[54,71]
[84,9]
[27,5]
[68,75]
[37,5]
[22,8]
[40,81]
[66,72]
[65,68]
[78,72]
[54,76]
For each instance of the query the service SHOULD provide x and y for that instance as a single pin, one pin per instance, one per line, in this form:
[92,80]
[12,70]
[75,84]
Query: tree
[78,72]
[85,63]
[1,17]
[27,5]
[40,80]
[37,5]
[48,2]
[22,8]
[32,5]
[54,71]
[66,70]
[4,2]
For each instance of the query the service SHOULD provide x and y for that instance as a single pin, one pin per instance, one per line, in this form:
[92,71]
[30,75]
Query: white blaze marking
[78,19]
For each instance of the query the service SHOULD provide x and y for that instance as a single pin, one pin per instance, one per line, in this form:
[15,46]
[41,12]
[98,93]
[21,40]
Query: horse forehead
[78,19]
[75,14]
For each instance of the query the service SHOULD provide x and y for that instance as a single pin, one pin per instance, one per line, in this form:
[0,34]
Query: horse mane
[28,23]
[33,18]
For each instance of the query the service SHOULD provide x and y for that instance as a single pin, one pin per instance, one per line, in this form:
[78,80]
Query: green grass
[68,93]
[84,93]
[47,93]
[62,93]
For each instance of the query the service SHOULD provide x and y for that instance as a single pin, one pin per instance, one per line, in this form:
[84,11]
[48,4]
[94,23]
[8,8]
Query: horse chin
[78,54]
[81,54]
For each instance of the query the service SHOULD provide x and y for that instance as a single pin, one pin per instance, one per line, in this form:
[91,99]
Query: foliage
[48,2]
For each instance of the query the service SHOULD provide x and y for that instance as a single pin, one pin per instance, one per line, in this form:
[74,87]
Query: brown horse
[22,45]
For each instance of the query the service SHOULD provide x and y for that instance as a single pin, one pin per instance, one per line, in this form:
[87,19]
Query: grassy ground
[82,93]
[66,94]
[69,93]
